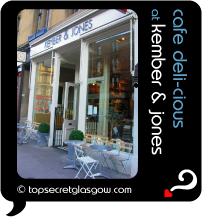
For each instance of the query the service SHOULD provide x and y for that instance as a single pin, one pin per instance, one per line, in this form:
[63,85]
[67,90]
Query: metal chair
[120,160]
[35,130]
[23,120]
[91,139]
[85,161]
[94,140]
[101,140]
[28,130]
[114,152]
[31,132]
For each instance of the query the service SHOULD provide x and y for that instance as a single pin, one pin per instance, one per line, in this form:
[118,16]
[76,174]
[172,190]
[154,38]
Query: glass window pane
[99,50]
[117,45]
[117,64]
[112,65]
[93,108]
[109,110]
[112,46]
[69,110]
[43,97]
[96,63]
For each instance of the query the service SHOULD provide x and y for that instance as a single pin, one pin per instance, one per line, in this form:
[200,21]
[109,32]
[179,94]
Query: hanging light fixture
[121,39]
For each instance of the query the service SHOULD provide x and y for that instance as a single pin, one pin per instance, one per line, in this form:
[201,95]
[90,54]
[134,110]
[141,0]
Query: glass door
[70,117]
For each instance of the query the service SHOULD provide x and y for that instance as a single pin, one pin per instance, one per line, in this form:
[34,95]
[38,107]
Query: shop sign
[21,56]
[74,33]
[85,26]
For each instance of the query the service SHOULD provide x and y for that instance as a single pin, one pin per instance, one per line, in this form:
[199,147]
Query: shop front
[85,67]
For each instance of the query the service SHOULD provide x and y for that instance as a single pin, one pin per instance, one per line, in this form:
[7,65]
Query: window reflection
[43,98]
[110,86]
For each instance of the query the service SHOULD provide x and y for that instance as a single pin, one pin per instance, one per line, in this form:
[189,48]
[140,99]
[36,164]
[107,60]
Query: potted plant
[43,134]
[75,135]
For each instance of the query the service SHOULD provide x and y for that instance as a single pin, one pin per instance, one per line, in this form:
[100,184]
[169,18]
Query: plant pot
[42,139]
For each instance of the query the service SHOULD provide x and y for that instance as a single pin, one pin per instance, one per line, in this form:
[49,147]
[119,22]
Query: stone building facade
[29,22]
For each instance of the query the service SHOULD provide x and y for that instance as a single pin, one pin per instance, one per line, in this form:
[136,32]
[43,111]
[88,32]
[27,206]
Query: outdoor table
[21,133]
[100,148]
[71,153]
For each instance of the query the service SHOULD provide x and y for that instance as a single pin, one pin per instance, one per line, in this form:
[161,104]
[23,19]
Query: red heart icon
[167,193]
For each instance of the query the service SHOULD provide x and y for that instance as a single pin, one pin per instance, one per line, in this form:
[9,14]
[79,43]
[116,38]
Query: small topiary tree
[76,135]
[44,128]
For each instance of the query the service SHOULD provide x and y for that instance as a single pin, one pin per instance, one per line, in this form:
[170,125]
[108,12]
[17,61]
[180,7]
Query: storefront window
[109,89]
[43,97]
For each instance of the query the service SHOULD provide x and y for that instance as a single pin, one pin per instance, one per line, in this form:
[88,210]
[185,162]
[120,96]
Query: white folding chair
[28,130]
[23,120]
[86,162]
[102,140]
[90,140]
[31,132]
[114,152]
[35,130]
[121,160]
[94,140]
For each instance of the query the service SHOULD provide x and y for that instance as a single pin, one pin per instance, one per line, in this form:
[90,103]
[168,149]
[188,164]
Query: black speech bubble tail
[18,206]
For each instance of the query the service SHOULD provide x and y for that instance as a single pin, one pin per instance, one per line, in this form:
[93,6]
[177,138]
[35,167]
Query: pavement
[35,162]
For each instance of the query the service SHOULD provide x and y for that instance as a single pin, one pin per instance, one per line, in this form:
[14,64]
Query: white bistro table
[100,148]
